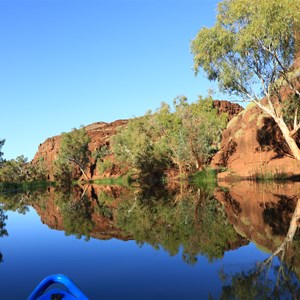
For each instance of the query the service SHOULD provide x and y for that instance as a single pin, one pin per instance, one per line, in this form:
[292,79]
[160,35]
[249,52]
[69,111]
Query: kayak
[67,289]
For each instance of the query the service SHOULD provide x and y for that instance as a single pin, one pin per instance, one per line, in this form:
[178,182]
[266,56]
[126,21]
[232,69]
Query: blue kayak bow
[69,292]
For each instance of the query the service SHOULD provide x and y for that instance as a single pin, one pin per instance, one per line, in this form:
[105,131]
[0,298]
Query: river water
[238,241]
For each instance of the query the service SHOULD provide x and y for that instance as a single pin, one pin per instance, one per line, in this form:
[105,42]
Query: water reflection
[268,215]
[3,231]
[193,221]
[189,221]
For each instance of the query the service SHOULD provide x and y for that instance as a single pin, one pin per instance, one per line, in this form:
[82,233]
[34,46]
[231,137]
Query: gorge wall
[100,134]
[253,144]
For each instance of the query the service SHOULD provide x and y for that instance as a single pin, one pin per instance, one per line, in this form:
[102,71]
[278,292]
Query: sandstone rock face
[99,133]
[232,109]
[253,144]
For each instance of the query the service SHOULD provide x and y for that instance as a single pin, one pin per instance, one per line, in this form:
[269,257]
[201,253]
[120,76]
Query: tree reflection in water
[192,220]
[76,212]
[274,278]
[189,220]
[3,231]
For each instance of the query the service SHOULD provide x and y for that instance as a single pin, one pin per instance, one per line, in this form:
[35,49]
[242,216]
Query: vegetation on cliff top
[184,136]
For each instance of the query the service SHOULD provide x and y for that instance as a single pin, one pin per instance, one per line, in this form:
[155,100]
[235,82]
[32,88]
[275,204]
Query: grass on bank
[7,187]
[206,177]
[278,176]
[125,180]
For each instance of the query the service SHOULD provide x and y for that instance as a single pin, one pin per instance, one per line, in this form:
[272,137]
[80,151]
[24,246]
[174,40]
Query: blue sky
[69,63]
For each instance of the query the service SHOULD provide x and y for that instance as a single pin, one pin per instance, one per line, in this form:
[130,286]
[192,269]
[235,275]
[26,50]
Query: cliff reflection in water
[269,216]
[191,221]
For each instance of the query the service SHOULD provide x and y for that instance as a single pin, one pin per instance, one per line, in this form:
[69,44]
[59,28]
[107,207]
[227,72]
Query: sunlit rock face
[231,109]
[253,144]
[100,134]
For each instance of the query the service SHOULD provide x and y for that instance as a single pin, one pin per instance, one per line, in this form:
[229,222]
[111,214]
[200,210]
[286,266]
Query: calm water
[119,243]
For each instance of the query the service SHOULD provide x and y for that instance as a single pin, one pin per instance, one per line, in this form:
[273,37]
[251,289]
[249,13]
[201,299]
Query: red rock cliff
[100,134]
[253,144]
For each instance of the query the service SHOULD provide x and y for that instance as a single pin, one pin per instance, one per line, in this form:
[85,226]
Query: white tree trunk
[288,138]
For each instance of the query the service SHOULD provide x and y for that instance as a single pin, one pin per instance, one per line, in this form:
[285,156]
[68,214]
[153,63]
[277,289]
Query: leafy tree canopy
[1,153]
[74,152]
[184,135]
[250,51]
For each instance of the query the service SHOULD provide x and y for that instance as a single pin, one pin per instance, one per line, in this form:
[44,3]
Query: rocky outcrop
[100,134]
[232,109]
[253,143]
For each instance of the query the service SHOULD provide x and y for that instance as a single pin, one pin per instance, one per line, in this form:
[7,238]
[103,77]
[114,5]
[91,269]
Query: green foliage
[191,223]
[3,231]
[250,52]
[186,135]
[206,178]
[289,108]
[251,42]
[264,176]
[125,180]
[101,153]
[203,130]
[264,281]
[19,170]
[1,153]
[73,155]
[196,223]
[3,218]
[26,186]
[15,170]
[76,211]
[38,171]
[62,172]
[138,146]
[103,166]
[22,196]
[104,205]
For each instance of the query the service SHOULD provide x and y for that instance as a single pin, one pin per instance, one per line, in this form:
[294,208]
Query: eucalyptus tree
[182,135]
[15,170]
[250,52]
[138,146]
[74,152]
[1,153]
[203,127]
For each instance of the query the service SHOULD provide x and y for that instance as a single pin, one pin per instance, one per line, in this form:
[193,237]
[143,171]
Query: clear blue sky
[69,63]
